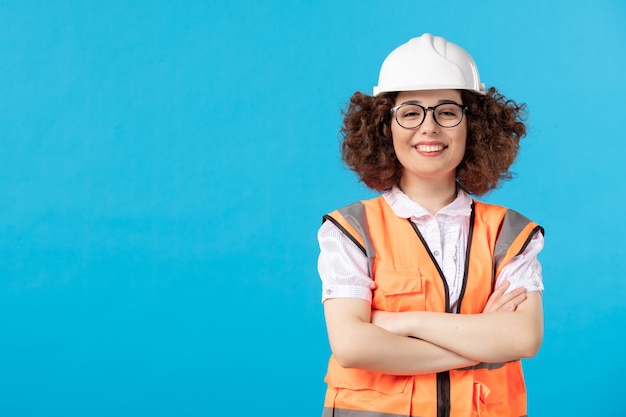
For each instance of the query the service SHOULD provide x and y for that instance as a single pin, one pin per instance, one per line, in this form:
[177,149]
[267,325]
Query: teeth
[429,148]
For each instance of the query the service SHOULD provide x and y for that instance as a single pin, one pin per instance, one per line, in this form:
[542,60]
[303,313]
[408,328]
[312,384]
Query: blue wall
[165,165]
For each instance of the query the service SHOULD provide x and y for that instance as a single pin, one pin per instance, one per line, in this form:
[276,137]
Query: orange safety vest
[408,278]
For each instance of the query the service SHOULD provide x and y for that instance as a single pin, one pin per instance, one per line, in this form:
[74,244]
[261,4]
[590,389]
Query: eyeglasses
[411,116]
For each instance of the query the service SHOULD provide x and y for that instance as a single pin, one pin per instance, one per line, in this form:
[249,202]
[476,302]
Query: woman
[430,298]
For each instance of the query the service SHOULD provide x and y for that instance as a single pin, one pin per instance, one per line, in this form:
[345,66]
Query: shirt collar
[406,208]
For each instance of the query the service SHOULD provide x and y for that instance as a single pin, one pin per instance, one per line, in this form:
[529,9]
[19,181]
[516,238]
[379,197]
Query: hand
[498,301]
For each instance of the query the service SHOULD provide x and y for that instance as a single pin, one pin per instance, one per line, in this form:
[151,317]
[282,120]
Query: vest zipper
[470,237]
[443,378]
[443,394]
[434,261]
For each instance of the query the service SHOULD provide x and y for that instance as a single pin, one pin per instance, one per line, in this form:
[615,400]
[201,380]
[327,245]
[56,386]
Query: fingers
[494,301]
[517,300]
[510,301]
[499,301]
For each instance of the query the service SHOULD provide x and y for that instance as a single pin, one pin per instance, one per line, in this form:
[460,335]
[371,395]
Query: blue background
[165,166]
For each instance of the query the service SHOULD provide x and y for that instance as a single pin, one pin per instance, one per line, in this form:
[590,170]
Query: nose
[429,125]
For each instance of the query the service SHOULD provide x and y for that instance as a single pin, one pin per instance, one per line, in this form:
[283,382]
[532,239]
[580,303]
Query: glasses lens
[410,116]
[448,115]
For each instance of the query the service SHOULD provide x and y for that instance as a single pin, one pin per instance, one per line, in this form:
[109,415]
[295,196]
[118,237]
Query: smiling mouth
[430,148]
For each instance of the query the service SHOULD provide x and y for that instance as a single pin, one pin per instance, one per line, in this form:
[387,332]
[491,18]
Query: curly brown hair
[495,126]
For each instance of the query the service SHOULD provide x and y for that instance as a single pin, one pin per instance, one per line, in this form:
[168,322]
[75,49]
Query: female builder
[430,297]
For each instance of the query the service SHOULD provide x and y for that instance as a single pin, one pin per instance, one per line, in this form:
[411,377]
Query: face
[429,152]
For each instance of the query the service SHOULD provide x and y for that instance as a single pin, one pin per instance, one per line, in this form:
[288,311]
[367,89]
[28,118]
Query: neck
[432,195]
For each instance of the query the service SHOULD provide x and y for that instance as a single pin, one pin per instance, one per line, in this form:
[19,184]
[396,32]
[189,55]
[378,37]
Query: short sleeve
[525,269]
[342,266]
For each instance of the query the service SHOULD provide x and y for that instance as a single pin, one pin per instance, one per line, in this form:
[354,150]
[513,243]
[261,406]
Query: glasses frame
[394,110]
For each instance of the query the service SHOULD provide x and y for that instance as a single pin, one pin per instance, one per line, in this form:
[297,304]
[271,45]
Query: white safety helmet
[428,63]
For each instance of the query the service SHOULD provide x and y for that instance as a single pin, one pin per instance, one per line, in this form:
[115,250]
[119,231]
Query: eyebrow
[444,101]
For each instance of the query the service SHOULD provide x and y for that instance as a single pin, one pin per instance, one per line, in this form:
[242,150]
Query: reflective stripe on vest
[408,278]
[339,412]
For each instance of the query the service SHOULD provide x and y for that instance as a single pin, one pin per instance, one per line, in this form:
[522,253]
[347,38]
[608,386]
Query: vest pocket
[500,391]
[354,392]
[399,290]
[357,380]
[480,408]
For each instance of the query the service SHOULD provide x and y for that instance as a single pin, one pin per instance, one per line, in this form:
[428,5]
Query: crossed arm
[509,328]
